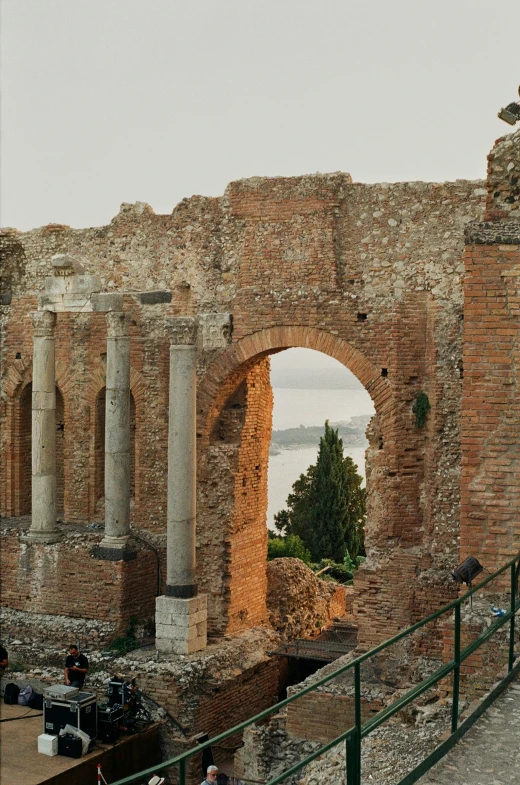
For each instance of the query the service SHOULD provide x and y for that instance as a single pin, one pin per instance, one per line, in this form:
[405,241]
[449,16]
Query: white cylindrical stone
[117,433]
[180,565]
[43,516]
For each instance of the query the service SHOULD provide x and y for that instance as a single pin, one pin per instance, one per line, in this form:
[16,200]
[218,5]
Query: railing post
[351,750]
[511,658]
[456,672]
[357,713]
[353,740]
[182,772]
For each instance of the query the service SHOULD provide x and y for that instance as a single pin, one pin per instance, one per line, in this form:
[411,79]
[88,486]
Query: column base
[181,625]
[114,549]
[47,538]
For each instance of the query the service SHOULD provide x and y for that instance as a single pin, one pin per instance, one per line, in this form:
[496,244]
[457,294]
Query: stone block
[182,607]
[103,302]
[177,632]
[181,624]
[78,285]
[155,298]
[180,645]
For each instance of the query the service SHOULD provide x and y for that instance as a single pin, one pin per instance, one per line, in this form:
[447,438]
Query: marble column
[181,615]
[117,433]
[43,518]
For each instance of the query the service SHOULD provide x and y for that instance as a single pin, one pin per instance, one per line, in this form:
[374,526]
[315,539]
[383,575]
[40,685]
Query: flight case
[79,711]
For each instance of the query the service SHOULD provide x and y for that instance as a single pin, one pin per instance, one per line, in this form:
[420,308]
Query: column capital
[216,329]
[44,323]
[182,330]
[117,324]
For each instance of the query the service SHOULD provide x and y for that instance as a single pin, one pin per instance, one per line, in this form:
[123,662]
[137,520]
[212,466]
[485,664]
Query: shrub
[290,546]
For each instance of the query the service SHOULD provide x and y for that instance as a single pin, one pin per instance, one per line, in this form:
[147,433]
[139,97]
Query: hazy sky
[106,101]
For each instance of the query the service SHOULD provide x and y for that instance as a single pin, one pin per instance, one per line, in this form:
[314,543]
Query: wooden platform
[21,763]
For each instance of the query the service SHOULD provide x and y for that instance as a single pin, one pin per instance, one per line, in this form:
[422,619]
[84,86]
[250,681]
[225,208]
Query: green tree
[326,508]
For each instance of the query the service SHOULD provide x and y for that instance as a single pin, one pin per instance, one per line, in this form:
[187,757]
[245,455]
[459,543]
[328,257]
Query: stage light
[467,571]
[511,113]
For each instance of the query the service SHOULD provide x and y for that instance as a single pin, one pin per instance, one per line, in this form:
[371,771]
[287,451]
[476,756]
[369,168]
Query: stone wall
[368,274]
[503,179]
[490,488]
[51,583]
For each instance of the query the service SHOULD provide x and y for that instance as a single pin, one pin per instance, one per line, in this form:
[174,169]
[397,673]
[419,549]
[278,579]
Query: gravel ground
[489,754]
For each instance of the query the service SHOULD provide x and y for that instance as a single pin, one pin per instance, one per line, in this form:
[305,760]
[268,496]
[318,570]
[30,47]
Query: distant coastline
[352,432]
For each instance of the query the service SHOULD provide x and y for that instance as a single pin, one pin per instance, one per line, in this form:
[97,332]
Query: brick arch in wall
[95,399]
[19,417]
[234,430]
[242,355]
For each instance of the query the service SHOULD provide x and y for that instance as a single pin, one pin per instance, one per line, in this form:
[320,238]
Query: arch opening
[235,425]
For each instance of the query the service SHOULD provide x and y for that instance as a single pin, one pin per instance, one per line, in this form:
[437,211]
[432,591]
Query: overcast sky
[105,101]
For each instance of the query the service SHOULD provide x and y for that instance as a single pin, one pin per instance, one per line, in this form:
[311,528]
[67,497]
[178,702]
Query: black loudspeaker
[70,746]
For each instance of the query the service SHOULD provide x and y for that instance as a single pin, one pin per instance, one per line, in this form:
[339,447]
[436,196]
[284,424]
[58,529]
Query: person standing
[76,668]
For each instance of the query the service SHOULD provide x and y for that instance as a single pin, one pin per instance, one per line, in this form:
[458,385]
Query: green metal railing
[354,735]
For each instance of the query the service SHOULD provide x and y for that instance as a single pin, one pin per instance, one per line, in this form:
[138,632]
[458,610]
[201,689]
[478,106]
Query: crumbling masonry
[412,286]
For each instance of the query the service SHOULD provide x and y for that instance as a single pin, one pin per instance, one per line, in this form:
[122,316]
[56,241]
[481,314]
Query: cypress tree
[327,506]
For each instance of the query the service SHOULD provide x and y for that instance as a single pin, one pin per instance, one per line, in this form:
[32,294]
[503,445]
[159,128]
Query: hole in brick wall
[380,442]
[384,372]
[461,370]
[362,317]
[18,356]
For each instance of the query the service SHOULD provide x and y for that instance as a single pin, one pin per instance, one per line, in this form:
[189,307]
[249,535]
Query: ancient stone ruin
[136,403]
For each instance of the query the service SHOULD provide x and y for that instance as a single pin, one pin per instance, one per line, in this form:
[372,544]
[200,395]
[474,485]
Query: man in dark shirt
[4,660]
[76,667]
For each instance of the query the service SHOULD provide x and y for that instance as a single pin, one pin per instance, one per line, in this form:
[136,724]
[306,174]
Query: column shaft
[43,518]
[180,569]
[117,433]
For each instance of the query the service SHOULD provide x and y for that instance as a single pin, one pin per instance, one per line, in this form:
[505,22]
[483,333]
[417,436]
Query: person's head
[211,774]
[156,780]
[73,650]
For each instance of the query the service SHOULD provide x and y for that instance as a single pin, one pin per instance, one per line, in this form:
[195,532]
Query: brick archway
[234,429]
[243,354]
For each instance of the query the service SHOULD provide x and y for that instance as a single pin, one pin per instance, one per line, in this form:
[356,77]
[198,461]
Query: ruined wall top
[503,181]
[390,237]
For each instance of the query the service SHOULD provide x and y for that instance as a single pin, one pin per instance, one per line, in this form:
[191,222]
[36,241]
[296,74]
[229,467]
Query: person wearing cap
[156,780]
[211,776]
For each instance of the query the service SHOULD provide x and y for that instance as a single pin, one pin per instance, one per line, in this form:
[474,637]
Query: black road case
[109,719]
[69,745]
[80,712]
